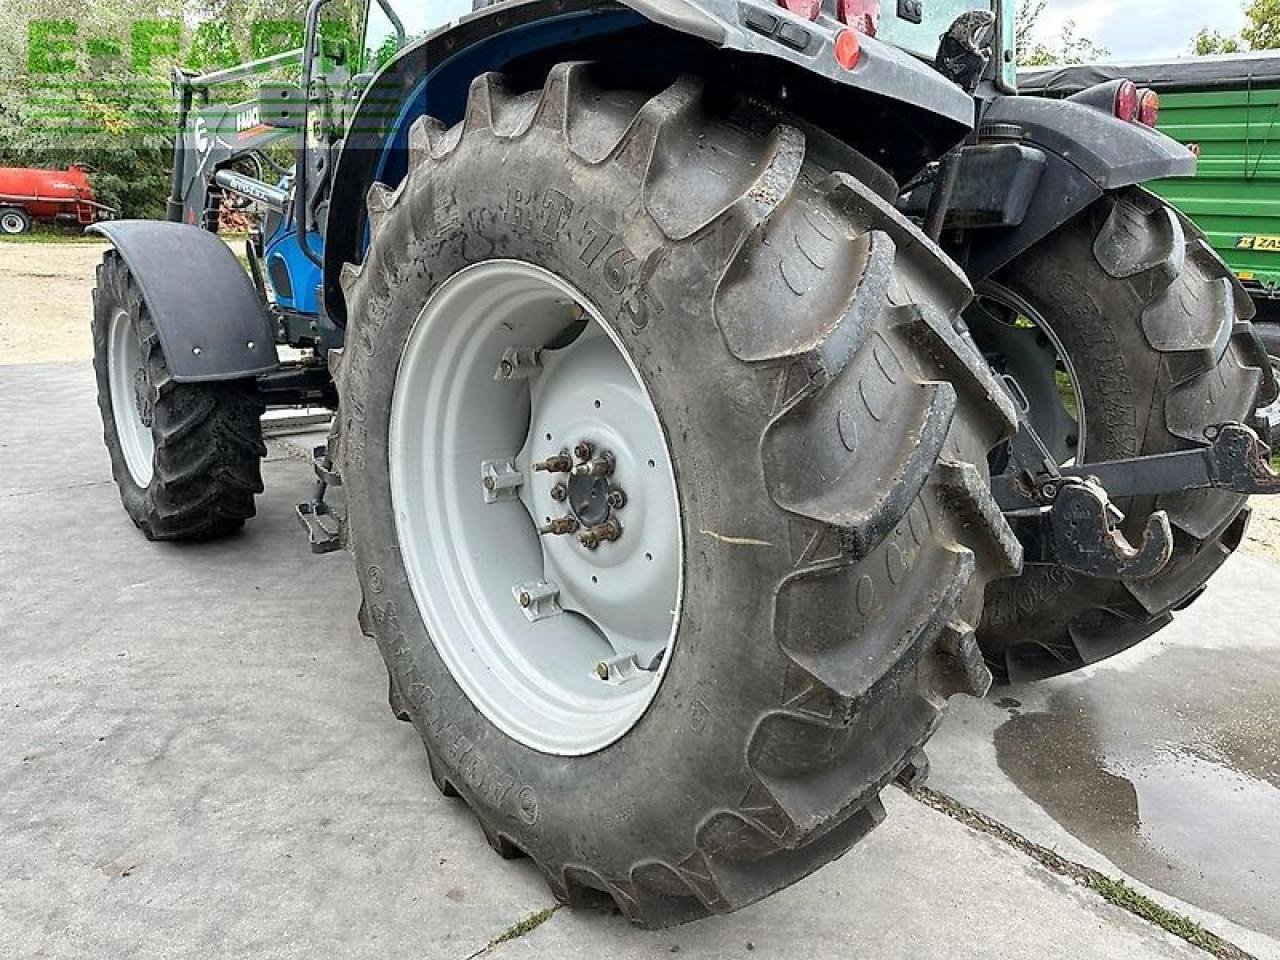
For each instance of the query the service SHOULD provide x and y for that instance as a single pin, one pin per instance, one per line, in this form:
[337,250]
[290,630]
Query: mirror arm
[401,35]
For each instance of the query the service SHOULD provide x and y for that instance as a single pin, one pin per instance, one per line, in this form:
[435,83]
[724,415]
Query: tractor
[720,386]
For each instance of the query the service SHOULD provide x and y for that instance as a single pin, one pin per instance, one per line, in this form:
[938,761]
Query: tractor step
[324,528]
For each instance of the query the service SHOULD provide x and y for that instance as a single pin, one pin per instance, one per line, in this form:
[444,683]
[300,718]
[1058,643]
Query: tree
[90,107]
[1067,47]
[88,100]
[1260,32]
[1208,42]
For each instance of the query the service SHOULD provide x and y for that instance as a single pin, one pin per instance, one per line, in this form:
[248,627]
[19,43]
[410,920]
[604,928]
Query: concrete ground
[1163,763]
[197,760]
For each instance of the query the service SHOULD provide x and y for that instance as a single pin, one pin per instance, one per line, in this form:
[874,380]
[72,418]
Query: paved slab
[917,887]
[198,761]
[1162,763]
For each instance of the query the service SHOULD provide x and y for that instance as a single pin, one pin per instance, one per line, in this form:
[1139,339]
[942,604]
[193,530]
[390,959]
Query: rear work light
[1148,107]
[862,15]
[809,9]
[1127,101]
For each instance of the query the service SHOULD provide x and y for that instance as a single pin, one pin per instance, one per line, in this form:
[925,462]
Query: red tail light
[862,15]
[1127,101]
[809,9]
[1148,107]
[848,49]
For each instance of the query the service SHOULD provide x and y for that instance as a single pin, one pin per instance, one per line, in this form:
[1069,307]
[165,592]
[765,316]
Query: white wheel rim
[1271,412]
[11,223]
[127,376]
[569,682]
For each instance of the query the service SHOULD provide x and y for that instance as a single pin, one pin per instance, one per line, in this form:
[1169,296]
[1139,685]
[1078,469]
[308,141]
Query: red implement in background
[28,194]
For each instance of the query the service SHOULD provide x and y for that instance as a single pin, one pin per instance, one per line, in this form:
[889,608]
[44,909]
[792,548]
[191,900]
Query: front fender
[1088,152]
[211,324]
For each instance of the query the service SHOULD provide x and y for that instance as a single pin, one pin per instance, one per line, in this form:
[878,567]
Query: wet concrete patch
[1171,770]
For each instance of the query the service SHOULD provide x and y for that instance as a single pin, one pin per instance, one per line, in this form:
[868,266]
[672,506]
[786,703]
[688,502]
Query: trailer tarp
[1234,70]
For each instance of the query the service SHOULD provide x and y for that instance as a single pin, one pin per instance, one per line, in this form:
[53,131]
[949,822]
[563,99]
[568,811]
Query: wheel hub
[536,507]
[588,493]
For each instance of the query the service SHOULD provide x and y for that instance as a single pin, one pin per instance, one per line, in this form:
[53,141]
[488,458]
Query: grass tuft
[517,930]
[526,925]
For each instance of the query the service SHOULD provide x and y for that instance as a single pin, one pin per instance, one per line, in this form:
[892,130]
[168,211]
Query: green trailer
[1226,108]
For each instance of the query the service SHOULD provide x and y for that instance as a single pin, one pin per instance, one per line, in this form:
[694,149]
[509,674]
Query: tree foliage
[1260,32]
[93,98]
[1067,46]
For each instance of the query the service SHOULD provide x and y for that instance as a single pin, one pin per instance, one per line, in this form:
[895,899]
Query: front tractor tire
[1129,337]
[186,457]
[784,342]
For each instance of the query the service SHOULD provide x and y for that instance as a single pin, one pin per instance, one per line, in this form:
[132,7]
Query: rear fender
[434,75]
[211,323]
[1088,152]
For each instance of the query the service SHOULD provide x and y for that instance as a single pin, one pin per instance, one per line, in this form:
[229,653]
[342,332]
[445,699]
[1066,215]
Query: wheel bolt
[505,369]
[583,451]
[602,670]
[599,467]
[611,529]
[557,464]
[525,599]
[559,526]
[559,492]
[617,499]
[489,483]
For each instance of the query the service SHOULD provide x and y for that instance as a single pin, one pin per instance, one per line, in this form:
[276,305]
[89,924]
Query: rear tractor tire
[694,700]
[1129,337]
[185,456]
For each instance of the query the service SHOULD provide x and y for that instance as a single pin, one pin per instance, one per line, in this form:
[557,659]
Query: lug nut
[557,464]
[609,530]
[583,451]
[506,369]
[599,467]
[525,599]
[559,526]
[559,492]
[490,483]
[602,670]
[617,499]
